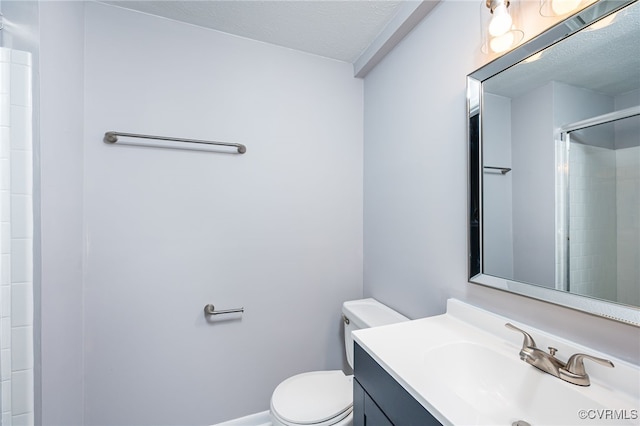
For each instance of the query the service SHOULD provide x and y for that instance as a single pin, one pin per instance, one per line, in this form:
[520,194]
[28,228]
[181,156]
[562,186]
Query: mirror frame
[624,313]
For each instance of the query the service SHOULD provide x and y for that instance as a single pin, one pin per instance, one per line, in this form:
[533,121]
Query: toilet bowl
[325,398]
[319,398]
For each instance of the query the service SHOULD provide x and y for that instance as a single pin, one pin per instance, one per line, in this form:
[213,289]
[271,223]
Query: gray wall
[62,81]
[277,230]
[533,154]
[497,205]
[572,104]
[136,240]
[415,187]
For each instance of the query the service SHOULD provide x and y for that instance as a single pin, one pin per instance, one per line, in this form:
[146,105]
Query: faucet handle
[575,364]
[528,340]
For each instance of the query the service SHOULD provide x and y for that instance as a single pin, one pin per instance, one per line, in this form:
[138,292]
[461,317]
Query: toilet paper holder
[211,310]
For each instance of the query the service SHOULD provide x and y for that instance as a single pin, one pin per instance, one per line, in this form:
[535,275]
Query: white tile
[21,348]
[5,237]
[5,206]
[20,57]
[5,269]
[21,261]
[20,85]
[6,396]
[5,363]
[5,79]
[5,110]
[6,418]
[5,174]
[21,216]
[5,292]
[26,419]
[22,392]
[21,172]
[5,333]
[5,54]
[5,142]
[21,304]
[21,130]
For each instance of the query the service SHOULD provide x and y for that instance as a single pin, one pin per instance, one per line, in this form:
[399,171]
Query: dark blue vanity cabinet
[378,400]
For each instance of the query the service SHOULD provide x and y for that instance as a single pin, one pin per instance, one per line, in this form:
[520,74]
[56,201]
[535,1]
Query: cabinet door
[365,411]
[358,404]
[373,416]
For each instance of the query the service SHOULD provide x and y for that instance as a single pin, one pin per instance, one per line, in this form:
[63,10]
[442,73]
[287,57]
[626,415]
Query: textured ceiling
[340,30]
[582,60]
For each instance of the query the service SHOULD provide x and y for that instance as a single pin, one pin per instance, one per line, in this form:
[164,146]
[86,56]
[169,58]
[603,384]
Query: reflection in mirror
[600,205]
[555,165]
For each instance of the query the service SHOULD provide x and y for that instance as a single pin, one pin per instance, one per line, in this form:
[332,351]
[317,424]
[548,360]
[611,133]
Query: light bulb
[501,21]
[562,7]
[501,43]
[604,22]
[533,58]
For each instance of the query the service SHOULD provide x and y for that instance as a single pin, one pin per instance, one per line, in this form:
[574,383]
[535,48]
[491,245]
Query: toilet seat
[318,398]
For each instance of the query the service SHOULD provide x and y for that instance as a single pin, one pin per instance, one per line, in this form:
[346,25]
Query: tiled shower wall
[605,229]
[628,224]
[16,242]
[593,221]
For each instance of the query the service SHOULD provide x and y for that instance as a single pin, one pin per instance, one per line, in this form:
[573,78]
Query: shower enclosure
[16,238]
[599,207]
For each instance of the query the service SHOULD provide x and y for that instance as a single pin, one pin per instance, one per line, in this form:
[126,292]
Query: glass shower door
[601,207]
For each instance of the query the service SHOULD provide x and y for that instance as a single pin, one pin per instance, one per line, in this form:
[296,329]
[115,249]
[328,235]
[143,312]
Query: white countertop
[464,368]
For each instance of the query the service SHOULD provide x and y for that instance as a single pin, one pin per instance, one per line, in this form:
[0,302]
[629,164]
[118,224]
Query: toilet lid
[314,397]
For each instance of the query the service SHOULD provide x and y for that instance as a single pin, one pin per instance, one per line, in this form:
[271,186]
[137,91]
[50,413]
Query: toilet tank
[365,313]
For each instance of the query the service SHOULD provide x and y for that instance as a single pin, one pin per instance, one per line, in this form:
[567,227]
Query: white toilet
[325,398]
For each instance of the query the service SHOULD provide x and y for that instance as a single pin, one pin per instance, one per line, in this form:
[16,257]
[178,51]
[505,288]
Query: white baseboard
[257,419]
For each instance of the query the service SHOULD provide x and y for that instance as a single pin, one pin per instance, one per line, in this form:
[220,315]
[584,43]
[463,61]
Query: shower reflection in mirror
[598,207]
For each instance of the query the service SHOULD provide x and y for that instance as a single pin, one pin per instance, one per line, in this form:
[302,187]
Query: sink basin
[498,385]
[464,368]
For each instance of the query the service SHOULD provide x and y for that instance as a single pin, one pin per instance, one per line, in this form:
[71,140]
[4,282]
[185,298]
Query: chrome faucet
[572,371]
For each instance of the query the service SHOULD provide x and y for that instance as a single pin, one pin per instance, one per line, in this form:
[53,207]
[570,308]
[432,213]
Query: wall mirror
[554,165]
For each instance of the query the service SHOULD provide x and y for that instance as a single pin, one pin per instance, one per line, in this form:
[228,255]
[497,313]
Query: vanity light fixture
[560,7]
[603,23]
[499,29]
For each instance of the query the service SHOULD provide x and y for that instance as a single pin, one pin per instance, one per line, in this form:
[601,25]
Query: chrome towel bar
[211,310]
[112,137]
[503,170]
